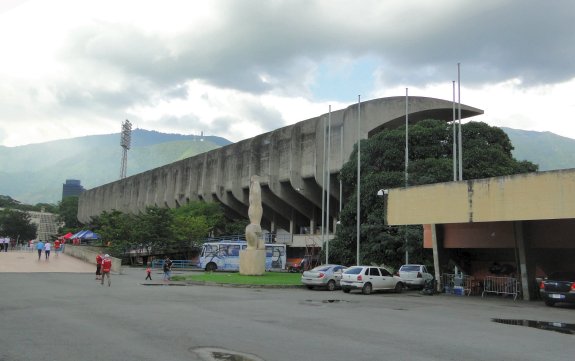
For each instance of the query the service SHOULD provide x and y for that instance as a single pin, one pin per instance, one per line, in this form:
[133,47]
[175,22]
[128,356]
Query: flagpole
[454,125]
[459,137]
[406,161]
[323,187]
[340,168]
[328,180]
[358,173]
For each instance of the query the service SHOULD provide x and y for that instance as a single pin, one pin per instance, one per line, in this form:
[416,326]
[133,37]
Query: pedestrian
[106,268]
[99,265]
[57,246]
[39,247]
[167,268]
[148,273]
[47,248]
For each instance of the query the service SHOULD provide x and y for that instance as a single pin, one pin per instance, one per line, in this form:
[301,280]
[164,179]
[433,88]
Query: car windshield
[409,268]
[353,271]
[321,268]
[562,276]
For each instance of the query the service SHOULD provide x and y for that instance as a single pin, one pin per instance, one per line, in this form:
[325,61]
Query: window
[354,271]
[409,268]
[385,272]
[374,272]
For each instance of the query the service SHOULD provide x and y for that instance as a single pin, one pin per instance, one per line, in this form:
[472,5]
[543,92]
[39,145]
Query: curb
[204,283]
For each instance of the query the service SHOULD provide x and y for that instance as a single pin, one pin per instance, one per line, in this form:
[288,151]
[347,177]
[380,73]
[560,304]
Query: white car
[414,275]
[368,279]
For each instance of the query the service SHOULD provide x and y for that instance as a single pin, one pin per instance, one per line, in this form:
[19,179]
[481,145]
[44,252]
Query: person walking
[99,265]
[47,249]
[148,273]
[57,246]
[39,247]
[167,268]
[106,269]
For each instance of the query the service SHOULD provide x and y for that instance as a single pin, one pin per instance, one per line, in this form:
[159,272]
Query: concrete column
[292,223]
[526,266]
[436,245]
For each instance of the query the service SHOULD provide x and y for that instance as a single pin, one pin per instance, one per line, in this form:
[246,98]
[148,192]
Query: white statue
[255,212]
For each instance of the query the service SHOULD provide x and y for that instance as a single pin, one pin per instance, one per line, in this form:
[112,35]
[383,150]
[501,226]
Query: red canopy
[67,235]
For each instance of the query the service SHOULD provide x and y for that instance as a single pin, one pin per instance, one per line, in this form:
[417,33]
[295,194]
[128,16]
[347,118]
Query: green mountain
[549,150]
[35,173]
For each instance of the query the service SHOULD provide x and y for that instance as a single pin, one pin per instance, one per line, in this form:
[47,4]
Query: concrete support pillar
[526,265]
[437,244]
[292,223]
[273,224]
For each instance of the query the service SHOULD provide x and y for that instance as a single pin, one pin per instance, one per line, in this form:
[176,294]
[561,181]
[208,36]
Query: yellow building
[525,220]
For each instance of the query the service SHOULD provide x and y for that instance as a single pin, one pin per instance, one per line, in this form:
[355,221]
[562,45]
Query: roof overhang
[531,196]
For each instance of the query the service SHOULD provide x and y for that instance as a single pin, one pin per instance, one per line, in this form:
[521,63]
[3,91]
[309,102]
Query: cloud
[242,67]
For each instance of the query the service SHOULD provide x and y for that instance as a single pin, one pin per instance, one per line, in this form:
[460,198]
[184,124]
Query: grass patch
[268,278]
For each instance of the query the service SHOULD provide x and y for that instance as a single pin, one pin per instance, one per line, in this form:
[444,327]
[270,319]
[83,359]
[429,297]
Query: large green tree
[17,225]
[486,153]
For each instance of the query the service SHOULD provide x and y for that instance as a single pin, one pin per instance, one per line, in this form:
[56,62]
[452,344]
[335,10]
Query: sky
[236,69]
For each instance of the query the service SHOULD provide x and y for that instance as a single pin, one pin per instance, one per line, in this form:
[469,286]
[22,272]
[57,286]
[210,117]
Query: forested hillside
[35,173]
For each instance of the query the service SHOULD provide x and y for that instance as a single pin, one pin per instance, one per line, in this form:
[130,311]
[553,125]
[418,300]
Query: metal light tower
[125,141]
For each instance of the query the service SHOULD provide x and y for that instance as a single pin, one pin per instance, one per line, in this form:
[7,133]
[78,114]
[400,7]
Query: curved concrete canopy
[288,160]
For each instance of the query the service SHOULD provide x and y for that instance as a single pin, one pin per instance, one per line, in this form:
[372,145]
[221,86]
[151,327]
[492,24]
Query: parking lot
[69,316]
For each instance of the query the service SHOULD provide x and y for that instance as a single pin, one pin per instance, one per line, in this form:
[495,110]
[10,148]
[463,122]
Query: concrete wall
[288,160]
[88,255]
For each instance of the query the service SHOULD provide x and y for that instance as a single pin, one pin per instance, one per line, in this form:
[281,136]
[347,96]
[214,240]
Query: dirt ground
[27,262]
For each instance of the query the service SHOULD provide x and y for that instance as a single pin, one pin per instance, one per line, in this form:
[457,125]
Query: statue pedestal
[253,262]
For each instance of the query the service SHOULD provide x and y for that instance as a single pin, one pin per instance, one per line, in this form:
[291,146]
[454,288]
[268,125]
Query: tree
[68,213]
[17,225]
[114,226]
[153,228]
[486,153]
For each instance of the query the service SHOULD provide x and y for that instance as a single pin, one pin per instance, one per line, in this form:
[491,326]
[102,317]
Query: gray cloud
[530,40]
[276,47]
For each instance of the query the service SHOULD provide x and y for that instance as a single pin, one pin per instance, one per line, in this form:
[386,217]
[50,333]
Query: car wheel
[309,287]
[399,287]
[331,285]
[549,303]
[366,290]
[210,267]
[346,290]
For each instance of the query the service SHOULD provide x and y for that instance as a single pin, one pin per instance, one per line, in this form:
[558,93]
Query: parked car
[414,275]
[324,276]
[370,278]
[558,287]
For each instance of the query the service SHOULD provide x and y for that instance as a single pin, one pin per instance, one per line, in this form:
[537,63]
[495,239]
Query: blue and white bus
[225,256]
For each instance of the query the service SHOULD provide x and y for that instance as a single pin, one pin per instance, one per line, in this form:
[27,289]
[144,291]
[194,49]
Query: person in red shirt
[148,273]
[57,247]
[106,268]
[99,266]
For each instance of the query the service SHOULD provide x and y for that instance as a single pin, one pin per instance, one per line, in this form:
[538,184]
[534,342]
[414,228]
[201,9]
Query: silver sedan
[324,276]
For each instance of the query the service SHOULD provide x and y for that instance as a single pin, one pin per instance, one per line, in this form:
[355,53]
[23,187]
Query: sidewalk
[27,262]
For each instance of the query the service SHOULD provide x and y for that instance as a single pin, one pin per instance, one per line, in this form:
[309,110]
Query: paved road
[69,316]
